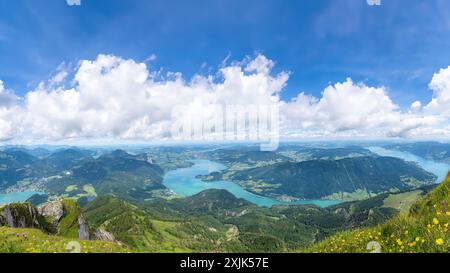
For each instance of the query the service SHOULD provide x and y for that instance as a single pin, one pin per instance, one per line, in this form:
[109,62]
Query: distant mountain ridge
[336,173]
[65,158]
[317,179]
[16,165]
[118,173]
[74,172]
[429,150]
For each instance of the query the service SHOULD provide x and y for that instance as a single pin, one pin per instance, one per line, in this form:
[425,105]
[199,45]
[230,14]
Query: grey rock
[54,210]
[20,216]
[83,229]
[103,235]
[236,214]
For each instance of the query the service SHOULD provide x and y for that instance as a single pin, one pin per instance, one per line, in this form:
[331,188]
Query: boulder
[54,210]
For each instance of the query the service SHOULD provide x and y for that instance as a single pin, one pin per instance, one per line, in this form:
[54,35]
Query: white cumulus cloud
[9,113]
[440,85]
[348,107]
[118,98]
[7,98]
[115,98]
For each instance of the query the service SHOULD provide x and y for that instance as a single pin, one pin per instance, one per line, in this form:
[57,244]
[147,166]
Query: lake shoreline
[16,197]
[186,182]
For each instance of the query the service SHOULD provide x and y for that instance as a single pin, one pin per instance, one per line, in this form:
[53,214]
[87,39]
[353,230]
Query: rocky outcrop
[343,212]
[236,214]
[50,217]
[21,216]
[53,210]
[371,215]
[103,235]
[83,229]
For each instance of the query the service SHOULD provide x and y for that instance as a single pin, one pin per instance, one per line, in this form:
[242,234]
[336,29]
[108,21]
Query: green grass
[71,188]
[68,227]
[170,242]
[15,240]
[402,201]
[424,230]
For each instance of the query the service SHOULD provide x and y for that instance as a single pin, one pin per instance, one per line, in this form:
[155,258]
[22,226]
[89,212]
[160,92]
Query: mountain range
[316,179]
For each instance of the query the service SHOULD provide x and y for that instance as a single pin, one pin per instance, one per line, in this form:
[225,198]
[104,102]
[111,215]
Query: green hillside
[424,229]
[16,166]
[216,221]
[351,178]
[126,176]
[144,230]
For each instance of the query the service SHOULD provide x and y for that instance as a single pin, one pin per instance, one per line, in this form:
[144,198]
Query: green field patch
[71,188]
[402,201]
[90,190]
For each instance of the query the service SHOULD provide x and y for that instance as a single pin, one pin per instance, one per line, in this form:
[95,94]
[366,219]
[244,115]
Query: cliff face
[83,229]
[62,218]
[23,216]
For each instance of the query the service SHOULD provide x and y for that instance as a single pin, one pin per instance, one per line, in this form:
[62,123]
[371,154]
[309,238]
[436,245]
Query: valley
[187,182]
[297,174]
[214,199]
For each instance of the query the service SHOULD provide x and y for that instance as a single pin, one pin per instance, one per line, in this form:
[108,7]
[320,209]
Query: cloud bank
[115,98]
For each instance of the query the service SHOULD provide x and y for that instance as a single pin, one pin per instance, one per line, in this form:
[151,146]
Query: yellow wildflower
[435,221]
[439,241]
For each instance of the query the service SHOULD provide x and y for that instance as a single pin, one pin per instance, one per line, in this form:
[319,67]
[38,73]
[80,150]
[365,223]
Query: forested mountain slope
[316,179]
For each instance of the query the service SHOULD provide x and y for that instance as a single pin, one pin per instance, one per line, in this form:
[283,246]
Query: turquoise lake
[16,197]
[184,182]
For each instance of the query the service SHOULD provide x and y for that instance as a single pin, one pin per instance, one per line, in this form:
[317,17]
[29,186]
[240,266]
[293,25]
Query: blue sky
[399,44]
